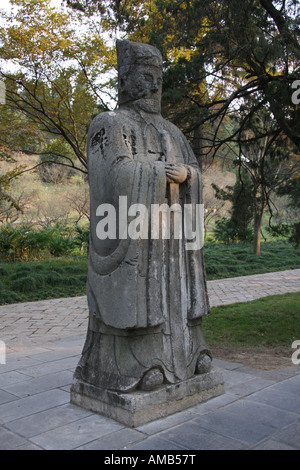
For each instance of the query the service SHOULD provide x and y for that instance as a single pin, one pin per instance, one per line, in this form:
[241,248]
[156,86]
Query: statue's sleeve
[199,301]
[114,171]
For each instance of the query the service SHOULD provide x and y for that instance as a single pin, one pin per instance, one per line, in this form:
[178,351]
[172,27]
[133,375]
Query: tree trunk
[259,210]
[197,146]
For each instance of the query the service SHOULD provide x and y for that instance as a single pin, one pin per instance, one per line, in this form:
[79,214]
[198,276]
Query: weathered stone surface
[146,287]
[204,364]
[139,407]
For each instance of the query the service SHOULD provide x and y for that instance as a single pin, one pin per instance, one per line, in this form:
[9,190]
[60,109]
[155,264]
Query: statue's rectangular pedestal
[137,408]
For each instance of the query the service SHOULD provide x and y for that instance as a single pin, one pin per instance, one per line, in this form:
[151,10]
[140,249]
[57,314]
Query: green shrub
[9,297]
[53,278]
[25,284]
[3,271]
[227,232]
[28,243]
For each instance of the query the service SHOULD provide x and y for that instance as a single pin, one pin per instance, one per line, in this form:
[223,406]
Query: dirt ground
[256,358]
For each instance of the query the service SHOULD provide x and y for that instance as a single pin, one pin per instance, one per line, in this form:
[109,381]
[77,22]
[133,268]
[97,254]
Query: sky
[5,3]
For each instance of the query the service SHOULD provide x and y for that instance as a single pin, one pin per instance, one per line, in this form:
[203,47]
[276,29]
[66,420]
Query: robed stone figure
[147,295]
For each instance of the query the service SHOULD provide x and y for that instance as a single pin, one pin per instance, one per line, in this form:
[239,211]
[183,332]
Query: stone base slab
[137,408]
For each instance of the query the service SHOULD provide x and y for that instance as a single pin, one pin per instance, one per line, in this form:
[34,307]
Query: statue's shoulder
[106,118]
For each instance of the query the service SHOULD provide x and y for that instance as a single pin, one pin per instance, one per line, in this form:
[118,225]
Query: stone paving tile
[17,364]
[291,385]
[116,441]
[271,444]
[233,378]
[6,397]
[275,375]
[289,436]
[197,437]
[9,441]
[214,404]
[250,386]
[75,434]
[155,443]
[51,367]
[28,447]
[33,404]
[283,400]
[187,415]
[236,427]
[164,423]
[254,413]
[40,384]
[10,378]
[227,365]
[44,421]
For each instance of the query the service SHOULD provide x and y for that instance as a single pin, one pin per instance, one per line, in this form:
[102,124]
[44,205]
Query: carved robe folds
[146,296]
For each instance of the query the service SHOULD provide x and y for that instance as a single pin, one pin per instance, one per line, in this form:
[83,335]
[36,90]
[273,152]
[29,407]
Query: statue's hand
[176,173]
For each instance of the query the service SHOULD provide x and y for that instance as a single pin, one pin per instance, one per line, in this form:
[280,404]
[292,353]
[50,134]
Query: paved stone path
[259,410]
[243,289]
[32,322]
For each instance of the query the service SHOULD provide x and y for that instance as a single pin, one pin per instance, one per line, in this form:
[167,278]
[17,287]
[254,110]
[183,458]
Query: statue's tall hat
[136,53]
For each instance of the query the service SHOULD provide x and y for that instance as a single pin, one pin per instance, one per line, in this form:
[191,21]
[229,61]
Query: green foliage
[224,231]
[57,80]
[289,231]
[46,279]
[291,189]
[66,276]
[227,232]
[25,243]
[245,48]
[82,238]
[5,182]
[295,235]
[236,228]
[237,259]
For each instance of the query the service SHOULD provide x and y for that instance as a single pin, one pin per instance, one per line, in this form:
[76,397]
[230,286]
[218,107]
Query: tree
[269,158]
[241,213]
[53,64]
[225,59]
[233,48]
[292,190]
[7,200]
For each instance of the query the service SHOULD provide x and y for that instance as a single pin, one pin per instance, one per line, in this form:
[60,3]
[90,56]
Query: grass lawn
[269,322]
[259,333]
[39,280]
[26,281]
[237,259]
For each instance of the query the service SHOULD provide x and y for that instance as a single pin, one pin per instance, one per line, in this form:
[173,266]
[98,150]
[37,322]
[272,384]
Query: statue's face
[143,85]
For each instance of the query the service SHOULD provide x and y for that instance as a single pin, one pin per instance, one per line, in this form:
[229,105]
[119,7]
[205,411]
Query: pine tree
[237,226]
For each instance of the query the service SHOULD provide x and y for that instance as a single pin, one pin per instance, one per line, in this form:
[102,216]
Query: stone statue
[146,294]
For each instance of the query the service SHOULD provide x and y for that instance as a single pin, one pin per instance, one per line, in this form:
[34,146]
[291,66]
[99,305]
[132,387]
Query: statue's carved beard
[149,105]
